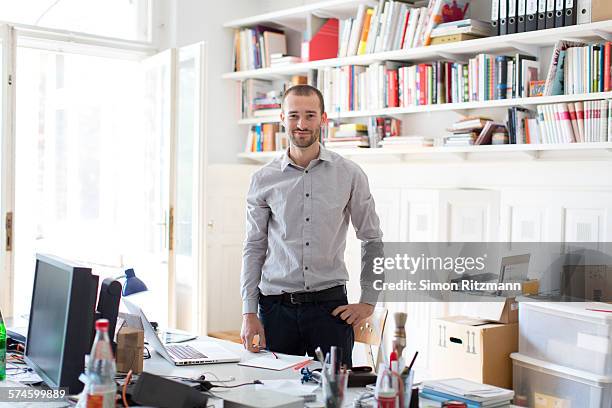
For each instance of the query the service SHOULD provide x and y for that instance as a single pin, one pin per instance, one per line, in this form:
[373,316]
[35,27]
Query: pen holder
[334,389]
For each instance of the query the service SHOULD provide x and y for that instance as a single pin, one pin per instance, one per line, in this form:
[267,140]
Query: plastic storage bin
[575,335]
[554,385]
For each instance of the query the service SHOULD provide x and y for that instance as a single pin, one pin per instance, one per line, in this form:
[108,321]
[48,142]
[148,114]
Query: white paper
[291,387]
[272,363]
[470,389]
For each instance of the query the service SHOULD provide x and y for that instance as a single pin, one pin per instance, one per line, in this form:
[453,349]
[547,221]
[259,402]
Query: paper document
[291,387]
[470,389]
[270,362]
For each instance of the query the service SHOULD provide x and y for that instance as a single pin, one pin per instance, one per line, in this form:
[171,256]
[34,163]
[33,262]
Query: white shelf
[295,18]
[528,42]
[571,151]
[443,107]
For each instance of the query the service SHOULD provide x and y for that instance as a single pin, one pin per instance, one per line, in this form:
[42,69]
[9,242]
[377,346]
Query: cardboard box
[589,282]
[130,344]
[601,10]
[472,349]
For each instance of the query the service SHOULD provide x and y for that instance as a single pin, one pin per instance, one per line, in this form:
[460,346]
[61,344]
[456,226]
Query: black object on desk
[361,378]
[156,391]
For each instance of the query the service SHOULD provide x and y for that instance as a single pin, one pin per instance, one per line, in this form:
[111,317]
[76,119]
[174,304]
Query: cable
[128,377]
[217,379]
[207,385]
[237,385]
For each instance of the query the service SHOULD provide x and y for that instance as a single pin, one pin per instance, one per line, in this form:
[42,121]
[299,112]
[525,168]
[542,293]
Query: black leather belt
[326,295]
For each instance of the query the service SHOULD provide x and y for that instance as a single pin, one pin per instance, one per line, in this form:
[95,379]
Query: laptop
[183,354]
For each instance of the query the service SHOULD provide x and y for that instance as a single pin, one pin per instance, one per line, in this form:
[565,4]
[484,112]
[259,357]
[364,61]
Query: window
[81,162]
[126,19]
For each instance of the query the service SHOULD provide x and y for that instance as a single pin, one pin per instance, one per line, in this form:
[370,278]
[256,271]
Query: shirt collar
[324,155]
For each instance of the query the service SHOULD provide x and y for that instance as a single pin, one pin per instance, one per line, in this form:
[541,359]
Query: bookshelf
[528,43]
[574,151]
[535,43]
[447,107]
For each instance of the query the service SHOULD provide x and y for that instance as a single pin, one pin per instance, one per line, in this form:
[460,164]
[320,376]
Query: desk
[158,365]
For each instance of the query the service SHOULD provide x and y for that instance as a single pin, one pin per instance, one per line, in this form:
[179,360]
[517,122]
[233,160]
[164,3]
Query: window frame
[20,35]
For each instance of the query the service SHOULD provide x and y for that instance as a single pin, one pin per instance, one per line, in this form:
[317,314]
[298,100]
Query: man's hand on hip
[251,326]
[354,313]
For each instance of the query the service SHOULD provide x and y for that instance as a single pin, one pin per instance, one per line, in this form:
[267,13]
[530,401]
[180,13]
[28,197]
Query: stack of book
[471,131]
[269,105]
[587,69]
[464,138]
[348,135]
[265,138]
[395,25]
[406,141]
[253,47]
[380,128]
[580,122]
[280,59]
[389,84]
[472,394]
[461,30]
[517,129]
[579,68]
[572,122]
[252,90]
[262,98]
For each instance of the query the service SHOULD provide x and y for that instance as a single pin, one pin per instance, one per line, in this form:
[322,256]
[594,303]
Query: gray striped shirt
[297,220]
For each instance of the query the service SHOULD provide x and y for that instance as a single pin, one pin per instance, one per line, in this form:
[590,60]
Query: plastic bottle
[101,387]
[2,348]
[385,395]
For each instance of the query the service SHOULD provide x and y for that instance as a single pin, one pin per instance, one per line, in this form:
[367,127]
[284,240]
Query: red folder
[324,44]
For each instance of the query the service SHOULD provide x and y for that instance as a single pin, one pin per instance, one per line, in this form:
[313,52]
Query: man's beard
[307,142]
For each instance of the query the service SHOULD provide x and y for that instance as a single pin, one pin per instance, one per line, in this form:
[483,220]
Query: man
[298,209]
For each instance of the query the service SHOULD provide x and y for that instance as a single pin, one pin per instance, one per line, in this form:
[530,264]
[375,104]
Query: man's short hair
[304,90]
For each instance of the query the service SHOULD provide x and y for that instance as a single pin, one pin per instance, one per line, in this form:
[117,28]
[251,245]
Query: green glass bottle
[2,349]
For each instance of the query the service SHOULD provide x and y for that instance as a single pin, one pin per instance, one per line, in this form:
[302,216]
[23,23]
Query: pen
[269,351]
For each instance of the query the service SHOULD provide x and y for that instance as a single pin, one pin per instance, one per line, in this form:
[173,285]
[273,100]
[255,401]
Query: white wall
[198,20]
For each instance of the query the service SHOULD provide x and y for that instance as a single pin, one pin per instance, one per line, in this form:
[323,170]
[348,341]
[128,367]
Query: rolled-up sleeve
[367,227]
[255,247]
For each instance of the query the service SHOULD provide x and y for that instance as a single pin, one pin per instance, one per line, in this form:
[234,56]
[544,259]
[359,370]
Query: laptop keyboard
[183,352]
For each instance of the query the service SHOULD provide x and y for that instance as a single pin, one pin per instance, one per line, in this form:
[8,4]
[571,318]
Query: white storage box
[544,384]
[575,335]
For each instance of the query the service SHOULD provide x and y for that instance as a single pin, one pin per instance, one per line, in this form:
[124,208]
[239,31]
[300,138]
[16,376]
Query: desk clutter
[528,350]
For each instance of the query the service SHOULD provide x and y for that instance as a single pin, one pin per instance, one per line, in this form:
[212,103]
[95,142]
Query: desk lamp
[132,283]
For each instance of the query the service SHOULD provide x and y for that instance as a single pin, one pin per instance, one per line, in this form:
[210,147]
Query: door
[7,155]
[189,167]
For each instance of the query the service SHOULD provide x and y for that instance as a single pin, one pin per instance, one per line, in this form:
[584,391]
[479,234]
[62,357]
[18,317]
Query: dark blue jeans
[300,329]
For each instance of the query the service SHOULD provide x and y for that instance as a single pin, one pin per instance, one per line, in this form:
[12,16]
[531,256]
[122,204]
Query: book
[274,43]
[252,46]
[485,135]
[361,49]
[323,44]
[450,38]
[555,62]
[470,122]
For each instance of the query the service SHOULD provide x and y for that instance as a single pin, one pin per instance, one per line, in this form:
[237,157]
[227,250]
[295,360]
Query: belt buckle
[292,299]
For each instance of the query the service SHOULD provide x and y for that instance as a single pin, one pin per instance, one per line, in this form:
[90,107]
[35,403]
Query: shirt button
[307,195]
[307,243]
[306,171]
[307,287]
[307,219]
[306,268]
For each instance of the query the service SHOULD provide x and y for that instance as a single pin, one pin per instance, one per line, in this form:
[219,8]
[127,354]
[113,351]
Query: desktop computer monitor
[61,321]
